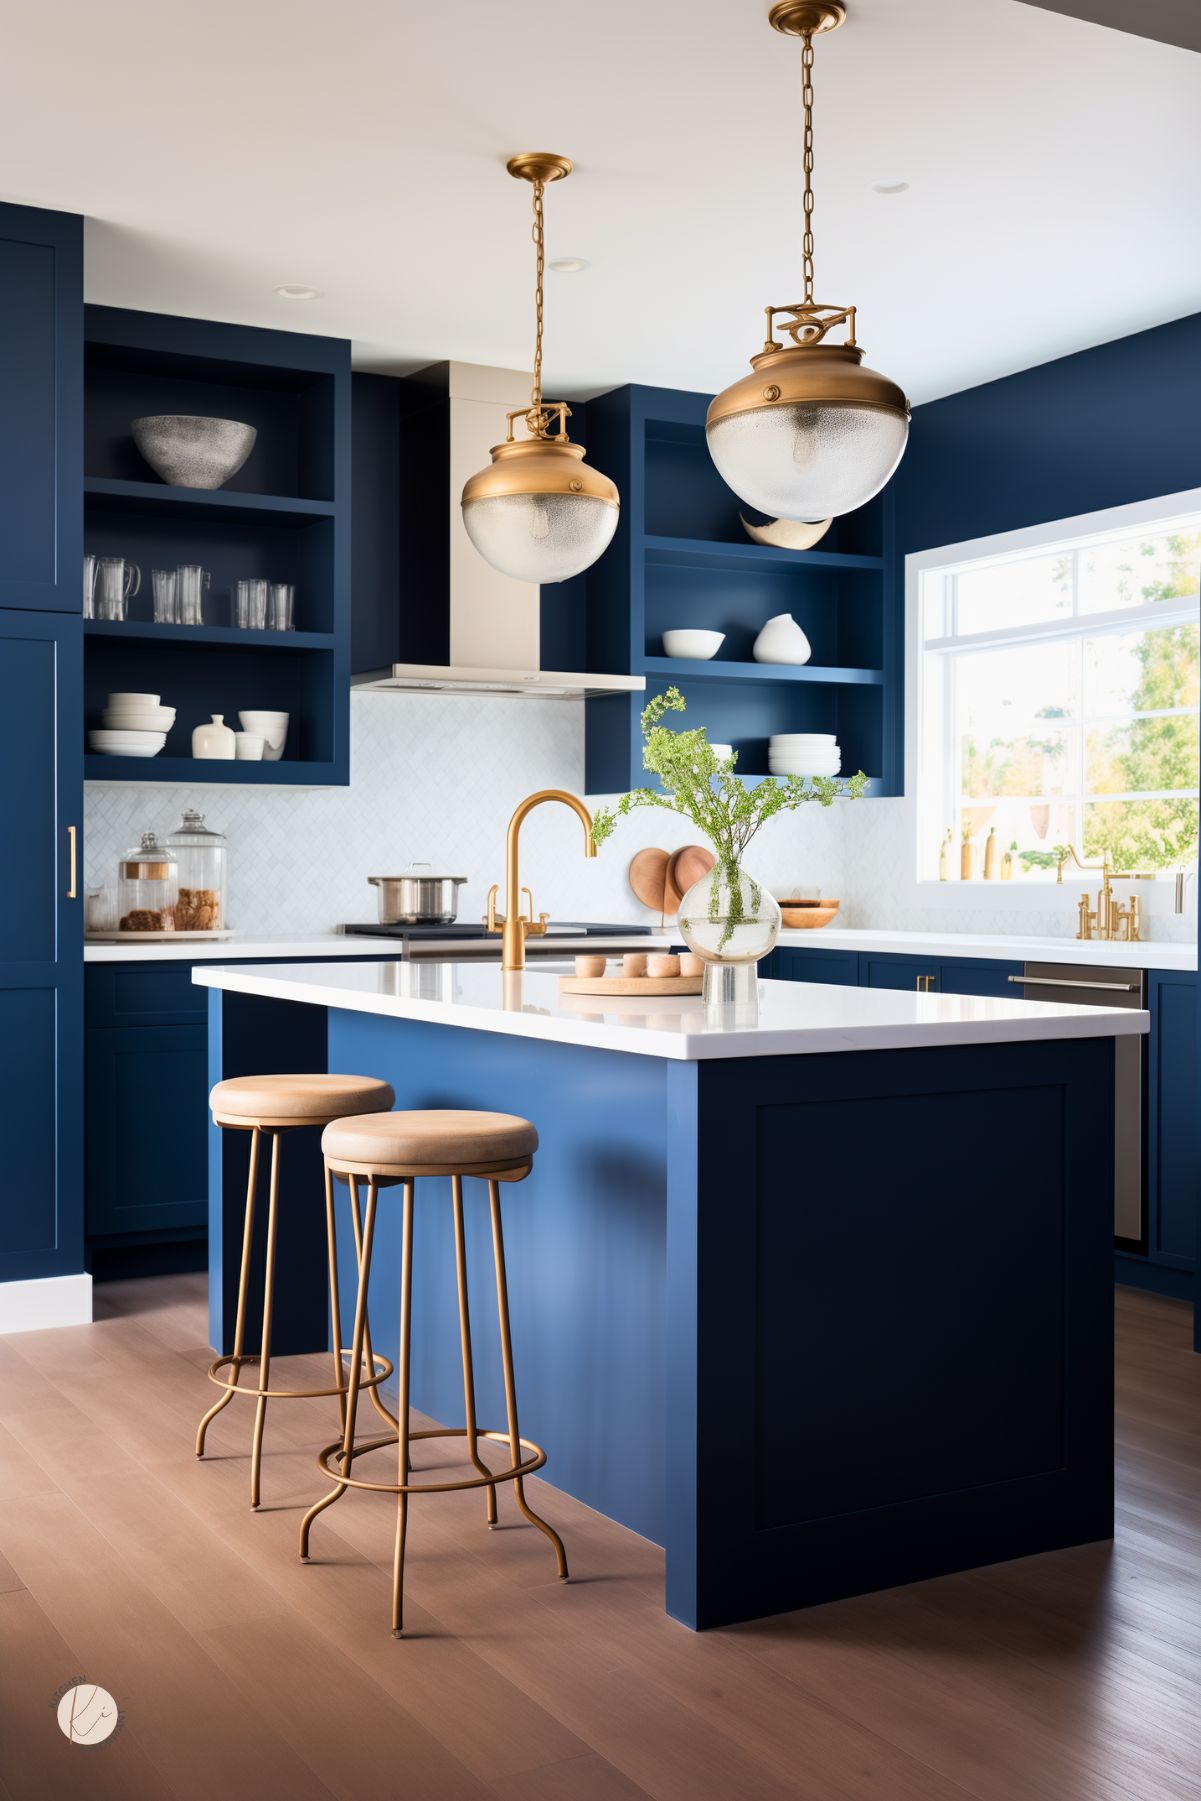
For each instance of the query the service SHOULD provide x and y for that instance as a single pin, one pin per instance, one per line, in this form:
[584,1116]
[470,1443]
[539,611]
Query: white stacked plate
[804,753]
[135,725]
[127,743]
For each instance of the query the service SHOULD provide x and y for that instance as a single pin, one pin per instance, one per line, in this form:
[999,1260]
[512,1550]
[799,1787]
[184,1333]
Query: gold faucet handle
[490,923]
[531,927]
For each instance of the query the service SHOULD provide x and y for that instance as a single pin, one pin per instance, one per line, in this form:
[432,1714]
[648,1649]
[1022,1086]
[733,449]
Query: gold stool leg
[356,1372]
[402,1409]
[506,1352]
[456,1190]
[260,1415]
[368,1353]
[335,1309]
[243,1287]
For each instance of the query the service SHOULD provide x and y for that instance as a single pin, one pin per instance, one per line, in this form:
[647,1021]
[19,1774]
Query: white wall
[433,778]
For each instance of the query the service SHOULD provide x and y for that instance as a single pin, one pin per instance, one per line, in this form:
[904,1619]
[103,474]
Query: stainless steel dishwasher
[1086,986]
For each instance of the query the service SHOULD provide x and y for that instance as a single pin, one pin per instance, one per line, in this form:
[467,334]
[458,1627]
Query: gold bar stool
[275,1105]
[398,1148]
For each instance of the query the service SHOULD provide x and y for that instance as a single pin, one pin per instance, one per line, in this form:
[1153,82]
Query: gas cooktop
[467,929]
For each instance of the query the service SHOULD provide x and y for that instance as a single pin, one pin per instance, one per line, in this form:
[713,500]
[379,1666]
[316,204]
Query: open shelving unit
[285,516]
[682,558]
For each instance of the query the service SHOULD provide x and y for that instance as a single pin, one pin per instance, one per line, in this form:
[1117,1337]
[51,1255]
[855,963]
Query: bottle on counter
[147,887]
[967,856]
[990,855]
[944,857]
[199,853]
[1009,862]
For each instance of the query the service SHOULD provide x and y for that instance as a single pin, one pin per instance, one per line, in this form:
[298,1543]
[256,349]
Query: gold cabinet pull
[73,838]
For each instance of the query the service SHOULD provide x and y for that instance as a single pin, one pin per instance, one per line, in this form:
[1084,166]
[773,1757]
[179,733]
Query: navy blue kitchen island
[820,1305]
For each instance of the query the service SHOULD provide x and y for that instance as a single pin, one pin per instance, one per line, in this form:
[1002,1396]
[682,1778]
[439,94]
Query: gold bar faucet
[1109,919]
[516,927]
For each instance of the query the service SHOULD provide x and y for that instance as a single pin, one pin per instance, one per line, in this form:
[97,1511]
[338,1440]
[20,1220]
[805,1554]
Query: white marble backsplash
[433,779]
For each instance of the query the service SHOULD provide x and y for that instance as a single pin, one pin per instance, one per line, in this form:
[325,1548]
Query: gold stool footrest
[332,1460]
[383,1371]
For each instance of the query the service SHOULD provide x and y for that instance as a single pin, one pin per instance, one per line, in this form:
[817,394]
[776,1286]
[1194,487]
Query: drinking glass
[191,582]
[280,601]
[250,604]
[89,587]
[166,608]
[117,581]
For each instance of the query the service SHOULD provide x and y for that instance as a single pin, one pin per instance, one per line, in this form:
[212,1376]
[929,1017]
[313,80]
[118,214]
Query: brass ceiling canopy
[538,512]
[810,432]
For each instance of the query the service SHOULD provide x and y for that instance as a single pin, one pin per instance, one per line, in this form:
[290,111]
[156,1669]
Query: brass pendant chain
[537,420]
[807,102]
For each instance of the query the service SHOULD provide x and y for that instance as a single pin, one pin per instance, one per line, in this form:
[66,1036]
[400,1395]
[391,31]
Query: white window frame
[925,812]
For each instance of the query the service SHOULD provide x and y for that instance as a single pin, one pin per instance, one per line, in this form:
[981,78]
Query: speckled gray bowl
[193,453]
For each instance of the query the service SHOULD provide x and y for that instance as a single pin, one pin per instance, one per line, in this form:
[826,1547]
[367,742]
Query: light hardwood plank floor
[243,1674]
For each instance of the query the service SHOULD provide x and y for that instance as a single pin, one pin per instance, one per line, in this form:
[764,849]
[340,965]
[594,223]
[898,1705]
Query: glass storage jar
[200,855]
[147,887]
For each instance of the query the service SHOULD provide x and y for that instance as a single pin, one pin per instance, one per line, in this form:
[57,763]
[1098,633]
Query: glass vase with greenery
[727,916]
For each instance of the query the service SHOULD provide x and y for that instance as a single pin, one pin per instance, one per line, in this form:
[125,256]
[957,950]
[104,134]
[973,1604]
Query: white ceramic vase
[215,742]
[782,641]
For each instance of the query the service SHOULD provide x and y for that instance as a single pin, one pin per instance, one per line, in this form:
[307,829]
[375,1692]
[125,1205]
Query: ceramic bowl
[271,727]
[249,747]
[722,751]
[127,744]
[804,765]
[190,452]
[806,740]
[695,646]
[137,701]
[154,719]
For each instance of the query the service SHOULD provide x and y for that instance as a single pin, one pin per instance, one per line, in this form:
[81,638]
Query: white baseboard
[50,1301]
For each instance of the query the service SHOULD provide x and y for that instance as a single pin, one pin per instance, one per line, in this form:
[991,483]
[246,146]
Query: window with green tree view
[1058,702]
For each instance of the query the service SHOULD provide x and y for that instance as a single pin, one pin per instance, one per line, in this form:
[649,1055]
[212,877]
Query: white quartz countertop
[1146,955]
[794,1017]
[337,944]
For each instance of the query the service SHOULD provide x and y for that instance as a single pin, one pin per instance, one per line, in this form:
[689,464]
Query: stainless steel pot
[418,897]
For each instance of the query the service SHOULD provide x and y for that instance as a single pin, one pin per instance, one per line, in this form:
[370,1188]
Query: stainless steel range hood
[450,417]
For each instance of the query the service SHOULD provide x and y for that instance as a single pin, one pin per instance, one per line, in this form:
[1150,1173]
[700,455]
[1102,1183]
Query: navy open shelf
[681,558]
[284,516]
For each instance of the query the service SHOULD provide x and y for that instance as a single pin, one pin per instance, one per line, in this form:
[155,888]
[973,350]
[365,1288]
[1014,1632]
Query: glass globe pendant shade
[811,434]
[539,513]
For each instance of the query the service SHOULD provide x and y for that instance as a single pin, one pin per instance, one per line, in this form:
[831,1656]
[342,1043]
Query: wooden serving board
[625,986]
[156,937]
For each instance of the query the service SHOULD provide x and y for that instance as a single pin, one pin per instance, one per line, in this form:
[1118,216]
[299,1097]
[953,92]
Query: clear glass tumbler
[166,605]
[89,587]
[250,604]
[191,581]
[281,600]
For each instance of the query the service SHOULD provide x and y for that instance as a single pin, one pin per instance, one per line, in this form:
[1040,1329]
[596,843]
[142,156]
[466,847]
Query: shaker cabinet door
[41,949]
[41,406]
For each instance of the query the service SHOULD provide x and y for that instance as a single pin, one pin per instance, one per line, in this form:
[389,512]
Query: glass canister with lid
[147,887]
[200,854]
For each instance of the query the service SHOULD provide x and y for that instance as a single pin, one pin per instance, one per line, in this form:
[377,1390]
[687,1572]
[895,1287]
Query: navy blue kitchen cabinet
[1173,1134]
[877,970]
[41,404]
[41,944]
[840,968]
[960,975]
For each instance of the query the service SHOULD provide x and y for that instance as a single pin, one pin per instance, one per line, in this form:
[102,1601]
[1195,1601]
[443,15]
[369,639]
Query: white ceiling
[358,146]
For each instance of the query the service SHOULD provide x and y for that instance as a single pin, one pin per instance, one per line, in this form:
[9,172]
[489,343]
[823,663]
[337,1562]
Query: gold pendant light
[538,512]
[810,433]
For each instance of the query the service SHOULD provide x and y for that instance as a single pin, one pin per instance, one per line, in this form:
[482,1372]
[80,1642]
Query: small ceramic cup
[634,963]
[248,747]
[691,964]
[590,966]
[662,965]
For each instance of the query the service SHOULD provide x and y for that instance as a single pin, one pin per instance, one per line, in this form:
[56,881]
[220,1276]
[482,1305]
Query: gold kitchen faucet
[1109,919]
[516,927]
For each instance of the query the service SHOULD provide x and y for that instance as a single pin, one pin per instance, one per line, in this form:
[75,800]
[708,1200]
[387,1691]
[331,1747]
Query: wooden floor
[244,1676]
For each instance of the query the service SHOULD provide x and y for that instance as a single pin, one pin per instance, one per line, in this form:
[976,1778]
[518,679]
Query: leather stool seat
[441,1138]
[302,1100]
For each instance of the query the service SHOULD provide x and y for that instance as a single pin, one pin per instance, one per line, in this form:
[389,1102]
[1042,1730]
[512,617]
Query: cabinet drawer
[789,964]
[147,1128]
[143,994]
[885,970]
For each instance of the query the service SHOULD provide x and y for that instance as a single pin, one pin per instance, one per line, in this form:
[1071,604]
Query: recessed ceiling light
[292,290]
[890,187]
[569,265]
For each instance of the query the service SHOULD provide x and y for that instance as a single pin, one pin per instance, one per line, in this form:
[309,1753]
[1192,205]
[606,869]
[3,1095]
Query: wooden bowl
[808,914]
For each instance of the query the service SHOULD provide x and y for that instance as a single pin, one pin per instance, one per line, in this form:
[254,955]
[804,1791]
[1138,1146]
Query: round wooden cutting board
[648,877]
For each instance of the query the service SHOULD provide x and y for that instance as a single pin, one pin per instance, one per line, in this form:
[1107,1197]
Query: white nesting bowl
[127,744]
[154,719]
[695,646]
[804,768]
[134,700]
[806,740]
[272,728]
